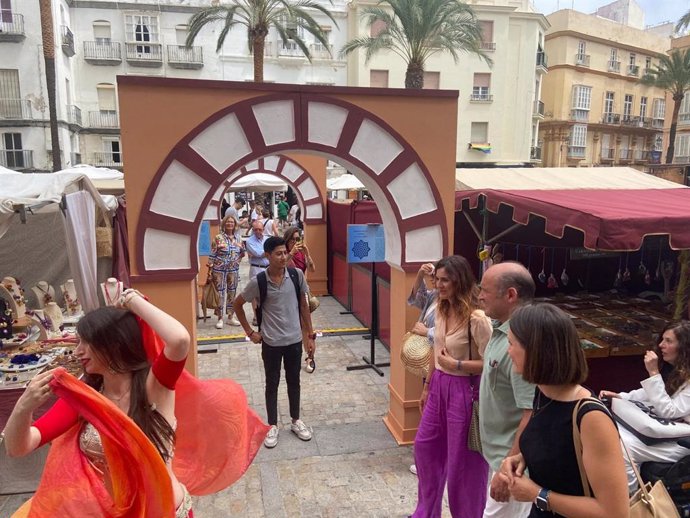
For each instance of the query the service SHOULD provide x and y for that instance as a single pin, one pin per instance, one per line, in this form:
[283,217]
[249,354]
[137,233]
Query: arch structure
[308,192]
[198,167]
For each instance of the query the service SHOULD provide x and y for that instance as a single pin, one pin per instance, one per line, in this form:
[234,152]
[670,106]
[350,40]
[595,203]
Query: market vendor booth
[602,243]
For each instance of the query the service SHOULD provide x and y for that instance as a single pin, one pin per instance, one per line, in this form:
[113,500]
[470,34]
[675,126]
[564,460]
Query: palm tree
[46,10]
[258,16]
[415,30]
[684,22]
[673,75]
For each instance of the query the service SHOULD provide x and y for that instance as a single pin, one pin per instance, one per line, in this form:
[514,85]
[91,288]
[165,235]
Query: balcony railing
[579,115]
[320,51]
[74,115]
[541,60]
[109,159]
[102,52]
[535,153]
[144,54]
[611,118]
[481,98]
[180,56]
[626,154]
[641,155]
[488,45]
[103,119]
[633,70]
[16,109]
[608,153]
[75,158]
[12,27]
[614,66]
[582,60]
[289,49]
[576,151]
[17,159]
[637,122]
[538,109]
[67,41]
[657,123]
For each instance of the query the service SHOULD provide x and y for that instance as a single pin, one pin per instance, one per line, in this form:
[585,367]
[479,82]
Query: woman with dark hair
[441,454]
[133,358]
[545,349]
[667,389]
[224,267]
[298,253]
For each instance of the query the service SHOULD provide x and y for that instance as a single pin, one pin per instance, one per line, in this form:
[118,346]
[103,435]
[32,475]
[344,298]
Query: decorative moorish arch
[309,193]
[400,144]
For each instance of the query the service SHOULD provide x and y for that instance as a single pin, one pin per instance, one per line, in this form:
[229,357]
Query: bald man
[505,399]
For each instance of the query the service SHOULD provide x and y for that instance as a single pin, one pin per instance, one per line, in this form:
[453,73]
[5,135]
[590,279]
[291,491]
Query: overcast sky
[656,11]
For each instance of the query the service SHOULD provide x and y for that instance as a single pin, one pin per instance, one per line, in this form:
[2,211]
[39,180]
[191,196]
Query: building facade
[97,40]
[499,108]
[681,150]
[596,110]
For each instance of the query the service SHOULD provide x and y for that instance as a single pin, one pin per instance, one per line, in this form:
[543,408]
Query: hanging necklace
[45,321]
[118,399]
[540,408]
[47,297]
[111,300]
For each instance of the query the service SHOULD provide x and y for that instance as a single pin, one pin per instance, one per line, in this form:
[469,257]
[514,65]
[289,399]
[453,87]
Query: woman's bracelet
[126,298]
[459,365]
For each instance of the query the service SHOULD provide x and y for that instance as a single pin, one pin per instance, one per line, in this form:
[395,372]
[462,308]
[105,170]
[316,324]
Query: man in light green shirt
[505,399]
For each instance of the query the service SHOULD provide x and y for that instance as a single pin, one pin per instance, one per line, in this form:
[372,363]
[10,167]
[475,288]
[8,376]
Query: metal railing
[541,59]
[576,151]
[488,45]
[637,122]
[75,158]
[614,66]
[681,159]
[625,154]
[608,153]
[486,98]
[102,50]
[16,109]
[103,119]
[12,25]
[67,40]
[320,51]
[582,60]
[182,54]
[641,155]
[290,49]
[535,153]
[633,70]
[17,158]
[144,51]
[611,118]
[657,123]
[107,158]
[538,108]
[74,114]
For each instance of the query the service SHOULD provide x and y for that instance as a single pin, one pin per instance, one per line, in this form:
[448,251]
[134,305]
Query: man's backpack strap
[294,276]
[263,289]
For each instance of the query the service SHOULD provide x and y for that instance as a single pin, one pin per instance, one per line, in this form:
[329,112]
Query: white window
[632,58]
[378,78]
[481,87]
[643,107]
[581,102]
[106,97]
[684,113]
[432,80]
[648,63]
[112,151]
[614,55]
[608,102]
[6,11]
[181,32]
[139,27]
[682,146]
[627,106]
[101,32]
[659,111]
[10,96]
[479,133]
[578,140]
[487,27]
[581,47]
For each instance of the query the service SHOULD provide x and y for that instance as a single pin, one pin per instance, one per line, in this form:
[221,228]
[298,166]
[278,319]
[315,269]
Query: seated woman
[122,359]
[667,389]
[545,349]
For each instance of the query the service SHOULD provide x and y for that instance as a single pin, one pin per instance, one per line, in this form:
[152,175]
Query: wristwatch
[312,336]
[542,500]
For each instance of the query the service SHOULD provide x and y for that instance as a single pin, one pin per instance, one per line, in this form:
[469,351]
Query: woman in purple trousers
[441,453]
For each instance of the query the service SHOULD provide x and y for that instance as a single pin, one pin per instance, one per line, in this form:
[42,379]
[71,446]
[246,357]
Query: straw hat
[416,354]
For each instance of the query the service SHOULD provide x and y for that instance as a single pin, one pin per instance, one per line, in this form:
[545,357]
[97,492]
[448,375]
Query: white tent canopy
[259,182]
[103,178]
[346,182]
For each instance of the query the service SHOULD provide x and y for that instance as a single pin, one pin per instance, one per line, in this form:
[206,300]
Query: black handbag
[5,320]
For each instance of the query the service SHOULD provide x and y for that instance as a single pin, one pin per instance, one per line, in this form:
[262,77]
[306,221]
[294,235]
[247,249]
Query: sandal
[311,364]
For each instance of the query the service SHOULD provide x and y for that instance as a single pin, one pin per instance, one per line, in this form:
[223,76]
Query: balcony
[641,156]
[190,58]
[683,119]
[611,118]
[633,70]
[75,158]
[576,152]
[103,119]
[637,122]
[67,39]
[608,154]
[289,49]
[489,46]
[538,110]
[18,159]
[107,159]
[541,61]
[582,60]
[74,115]
[625,155]
[614,66]
[657,123]
[12,28]
[481,98]
[144,54]
[579,115]
[102,53]
[320,51]
[16,109]
[535,153]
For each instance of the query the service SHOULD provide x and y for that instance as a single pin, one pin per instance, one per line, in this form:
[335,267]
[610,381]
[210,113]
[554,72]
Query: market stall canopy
[259,182]
[104,179]
[346,182]
[614,207]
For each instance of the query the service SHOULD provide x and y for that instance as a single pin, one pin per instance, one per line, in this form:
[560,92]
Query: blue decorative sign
[204,244]
[366,243]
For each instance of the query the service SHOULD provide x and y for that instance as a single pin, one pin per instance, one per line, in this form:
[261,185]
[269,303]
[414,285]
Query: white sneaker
[233,321]
[219,324]
[413,469]
[271,439]
[300,430]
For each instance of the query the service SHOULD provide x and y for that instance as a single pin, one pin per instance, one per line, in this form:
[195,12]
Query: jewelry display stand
[69,293]
[43,323]
[12,291]
[44,292]
[111,290]
[54,313]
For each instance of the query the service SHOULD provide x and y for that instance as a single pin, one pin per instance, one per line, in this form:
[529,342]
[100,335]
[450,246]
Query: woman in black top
[545,349]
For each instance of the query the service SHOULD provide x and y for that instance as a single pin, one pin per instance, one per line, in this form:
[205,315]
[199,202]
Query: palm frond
[221,13]
[683,23]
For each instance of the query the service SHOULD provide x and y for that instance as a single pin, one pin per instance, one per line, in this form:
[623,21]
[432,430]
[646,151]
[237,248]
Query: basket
[104,242]
[416,354]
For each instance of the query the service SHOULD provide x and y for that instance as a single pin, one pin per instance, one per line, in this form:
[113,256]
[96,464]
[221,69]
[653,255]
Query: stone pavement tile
[356,437]
[242,499]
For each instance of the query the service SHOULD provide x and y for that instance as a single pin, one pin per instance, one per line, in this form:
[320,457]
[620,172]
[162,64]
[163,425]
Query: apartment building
[499,108]
[681,151]
[97,40]
[596,111]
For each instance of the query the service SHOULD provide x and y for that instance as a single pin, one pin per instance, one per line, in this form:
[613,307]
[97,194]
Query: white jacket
[653,393]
